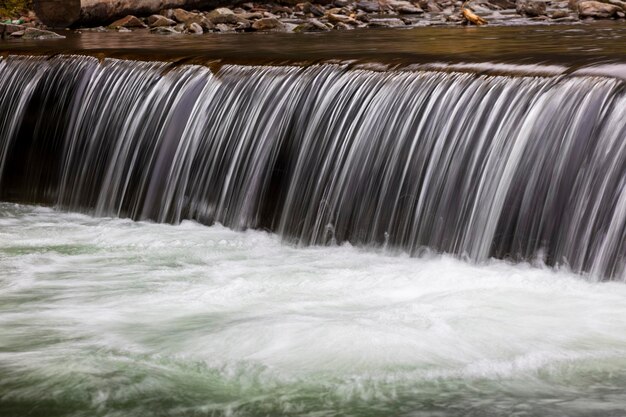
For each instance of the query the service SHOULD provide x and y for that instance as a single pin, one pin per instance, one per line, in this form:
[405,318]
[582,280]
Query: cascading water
[475,165]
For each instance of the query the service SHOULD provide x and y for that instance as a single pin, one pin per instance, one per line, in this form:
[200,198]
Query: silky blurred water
[109,317]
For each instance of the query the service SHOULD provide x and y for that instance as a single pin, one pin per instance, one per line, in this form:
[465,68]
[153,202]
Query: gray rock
[503,4]
[404,7]
[368,6]
[39,34]
[268,24]
[597,10]
[157,20]
[531,8]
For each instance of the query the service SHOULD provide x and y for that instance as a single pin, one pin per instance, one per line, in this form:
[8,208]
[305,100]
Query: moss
[14,8]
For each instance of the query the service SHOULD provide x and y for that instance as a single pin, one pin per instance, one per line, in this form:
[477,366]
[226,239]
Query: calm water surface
[571,45]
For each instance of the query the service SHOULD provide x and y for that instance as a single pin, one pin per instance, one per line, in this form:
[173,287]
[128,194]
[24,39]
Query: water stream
[382,223]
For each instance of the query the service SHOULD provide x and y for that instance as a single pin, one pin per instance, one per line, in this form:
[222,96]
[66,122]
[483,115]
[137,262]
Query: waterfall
[515,167]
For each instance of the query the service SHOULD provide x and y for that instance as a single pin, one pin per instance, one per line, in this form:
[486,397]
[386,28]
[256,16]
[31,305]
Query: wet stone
[158,20]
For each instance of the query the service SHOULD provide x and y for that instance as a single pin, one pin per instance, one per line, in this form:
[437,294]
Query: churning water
[103,316]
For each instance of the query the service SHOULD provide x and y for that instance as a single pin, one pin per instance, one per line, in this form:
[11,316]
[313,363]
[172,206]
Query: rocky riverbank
[323,16]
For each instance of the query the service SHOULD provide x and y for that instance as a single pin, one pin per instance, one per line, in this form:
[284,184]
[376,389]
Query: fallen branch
[472,17]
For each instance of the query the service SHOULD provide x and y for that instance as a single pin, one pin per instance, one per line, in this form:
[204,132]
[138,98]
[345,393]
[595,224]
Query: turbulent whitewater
[111,317]
[515,167]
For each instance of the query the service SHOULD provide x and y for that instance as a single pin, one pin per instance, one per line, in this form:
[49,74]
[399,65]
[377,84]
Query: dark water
[570,45]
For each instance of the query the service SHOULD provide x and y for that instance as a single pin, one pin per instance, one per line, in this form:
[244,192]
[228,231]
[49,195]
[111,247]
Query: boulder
[531,8]
[32,33]
[268,24]
[129,21]
[597,10]
[157,20]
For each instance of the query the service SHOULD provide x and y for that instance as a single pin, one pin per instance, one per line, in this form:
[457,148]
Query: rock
[368,6]
[341,3]
[32,33]
[124,30]
[314,9]
[227,16]
[7,29]
[204,23]
[129,21]
[339,18]
[618,3]
[157,20]
[531,8]
[404,7]
[385,23]
[559,14]
[164,30]
[223,27]
[194,28]
[268,24]
[312,25]
[17,33]
[503,4]
[430,5]
[343,26]
[220,11]
[597,10]
[251,16]
[181,15]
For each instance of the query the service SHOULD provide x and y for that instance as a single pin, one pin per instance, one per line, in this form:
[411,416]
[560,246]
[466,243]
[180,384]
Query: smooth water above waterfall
[103,316]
